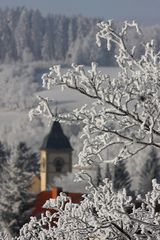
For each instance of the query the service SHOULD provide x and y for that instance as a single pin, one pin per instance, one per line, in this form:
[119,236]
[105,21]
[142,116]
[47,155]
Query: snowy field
[15,123]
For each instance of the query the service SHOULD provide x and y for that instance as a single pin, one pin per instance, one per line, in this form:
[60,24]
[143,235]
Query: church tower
[55,156]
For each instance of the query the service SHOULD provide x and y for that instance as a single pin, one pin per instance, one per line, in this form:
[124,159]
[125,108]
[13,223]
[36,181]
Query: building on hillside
[57,171]
[55,156]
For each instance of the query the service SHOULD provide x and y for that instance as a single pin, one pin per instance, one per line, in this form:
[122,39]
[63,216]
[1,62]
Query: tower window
[59,163]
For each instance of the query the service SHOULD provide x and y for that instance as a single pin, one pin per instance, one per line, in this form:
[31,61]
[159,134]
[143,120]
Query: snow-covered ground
[15,123]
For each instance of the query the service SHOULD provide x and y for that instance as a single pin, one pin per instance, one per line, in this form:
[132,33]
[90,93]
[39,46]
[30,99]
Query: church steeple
[55,156]
[56,139]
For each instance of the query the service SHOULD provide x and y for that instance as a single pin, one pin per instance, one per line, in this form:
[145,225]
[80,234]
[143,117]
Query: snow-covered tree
[22,32]
[37,30]
[26,158]
[52,37]
[123,113]
[123,117]
[16,201]
[103,214]
[4,236]
[121,178]
[19,82]
[3,156]
[27,163]
[10,198]
[150,170]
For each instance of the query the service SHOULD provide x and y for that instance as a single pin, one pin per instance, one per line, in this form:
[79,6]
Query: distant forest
[25,35]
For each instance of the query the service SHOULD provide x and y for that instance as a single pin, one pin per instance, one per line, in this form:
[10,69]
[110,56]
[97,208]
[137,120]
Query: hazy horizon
[146,12]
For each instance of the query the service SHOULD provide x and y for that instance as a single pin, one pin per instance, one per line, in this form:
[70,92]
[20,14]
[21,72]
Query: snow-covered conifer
[3,155]
[121,178]
[16,201]
[150,170]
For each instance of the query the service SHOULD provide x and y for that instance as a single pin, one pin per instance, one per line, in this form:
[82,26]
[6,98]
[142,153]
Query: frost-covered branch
[102,214]
[124,109]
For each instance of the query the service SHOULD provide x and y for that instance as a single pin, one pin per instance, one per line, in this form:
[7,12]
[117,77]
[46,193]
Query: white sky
[145,11]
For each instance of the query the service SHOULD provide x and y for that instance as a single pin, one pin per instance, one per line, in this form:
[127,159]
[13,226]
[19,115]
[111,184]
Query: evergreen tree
[22,32]
[10,197]
[3,155]
[15,200]
[28,162]
[61,37]
[37,32]
[45,53]
[26,158]
[99,176]
[150,170]
[75,52]
[54,37]
[48,41]
[121,177]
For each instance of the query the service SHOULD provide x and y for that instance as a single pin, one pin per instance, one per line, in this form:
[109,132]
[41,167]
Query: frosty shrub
[103,214]
[123,115]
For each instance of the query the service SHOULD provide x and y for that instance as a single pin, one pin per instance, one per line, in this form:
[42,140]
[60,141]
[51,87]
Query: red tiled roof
[42,197]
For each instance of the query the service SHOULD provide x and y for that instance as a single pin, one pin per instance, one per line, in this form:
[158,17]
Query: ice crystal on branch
[124,111]
[102,214]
